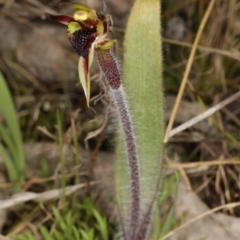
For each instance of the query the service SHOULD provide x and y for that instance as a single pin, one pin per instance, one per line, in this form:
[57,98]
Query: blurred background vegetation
[50,140]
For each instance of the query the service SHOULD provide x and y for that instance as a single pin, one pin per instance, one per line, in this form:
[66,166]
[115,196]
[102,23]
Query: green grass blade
[11,168]
[7,110]
[20,237]
[101,224]
[62,159]
[170,220]
[29,236]
[76,233]
[58,235]
[59,219]
[45,233]
[6,138]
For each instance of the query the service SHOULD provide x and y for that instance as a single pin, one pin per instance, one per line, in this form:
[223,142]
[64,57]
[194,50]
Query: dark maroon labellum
[82,40]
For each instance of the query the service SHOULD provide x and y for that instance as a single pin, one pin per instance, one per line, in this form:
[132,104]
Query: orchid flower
[87,31]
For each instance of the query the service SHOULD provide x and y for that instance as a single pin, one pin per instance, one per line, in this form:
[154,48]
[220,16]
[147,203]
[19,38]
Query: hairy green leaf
[142,75]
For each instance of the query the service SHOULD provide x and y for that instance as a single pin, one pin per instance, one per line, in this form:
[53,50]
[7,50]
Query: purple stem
[109,67]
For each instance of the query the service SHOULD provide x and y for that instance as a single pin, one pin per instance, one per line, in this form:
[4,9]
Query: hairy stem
[109,67]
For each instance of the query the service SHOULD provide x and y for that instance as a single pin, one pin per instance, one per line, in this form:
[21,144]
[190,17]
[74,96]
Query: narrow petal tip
[64,19]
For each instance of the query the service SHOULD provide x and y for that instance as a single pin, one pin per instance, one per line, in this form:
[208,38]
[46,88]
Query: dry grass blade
[204,115]
[25,73]
[208,50]
[44,130]
[230,161]
[47,195]
[41,6]
[5,238]
[99,130]
[188,68]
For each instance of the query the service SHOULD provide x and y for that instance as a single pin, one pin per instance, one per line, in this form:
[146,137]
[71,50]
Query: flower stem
[109,66]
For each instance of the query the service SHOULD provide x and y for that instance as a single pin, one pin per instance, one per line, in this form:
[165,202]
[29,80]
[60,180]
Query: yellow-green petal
[92,14]
[73,27]
[100,28]
[78,6]
[106,46]
[80,15]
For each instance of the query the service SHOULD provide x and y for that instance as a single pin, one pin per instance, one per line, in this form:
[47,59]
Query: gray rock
[217,226]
